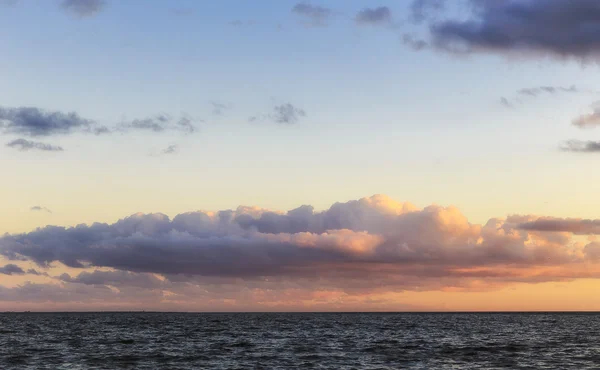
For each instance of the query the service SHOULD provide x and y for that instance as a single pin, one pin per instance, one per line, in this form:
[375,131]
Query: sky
[275,155]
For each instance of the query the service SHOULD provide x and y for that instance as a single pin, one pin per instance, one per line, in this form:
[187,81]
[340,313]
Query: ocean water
[299,341]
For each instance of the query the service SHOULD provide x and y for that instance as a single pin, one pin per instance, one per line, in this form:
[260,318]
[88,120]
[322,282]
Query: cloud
[40,209]
[315,15]
[159,123]
[11,269]
[422,10]
[183,12]
[283,114]
[171,149]
[363,245]
[219,108]
[505,102]
[115,278]
[557,28]
[536,91]
[287,113]
[413,42]
[33,122]
[374,16]
[27,145]
[83,8]
[242,23]
[571,225]
[589,120]
[579,146]
[8,2]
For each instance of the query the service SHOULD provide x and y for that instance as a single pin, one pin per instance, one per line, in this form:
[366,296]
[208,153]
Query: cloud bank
[368,245]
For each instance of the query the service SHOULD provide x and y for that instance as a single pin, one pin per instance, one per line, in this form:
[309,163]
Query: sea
[299,341]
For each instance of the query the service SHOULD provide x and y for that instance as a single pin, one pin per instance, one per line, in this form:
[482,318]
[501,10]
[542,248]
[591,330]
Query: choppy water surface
[287,341]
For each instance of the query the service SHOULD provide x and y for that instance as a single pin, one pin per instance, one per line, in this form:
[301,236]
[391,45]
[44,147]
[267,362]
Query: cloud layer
[355,250]
[358,237]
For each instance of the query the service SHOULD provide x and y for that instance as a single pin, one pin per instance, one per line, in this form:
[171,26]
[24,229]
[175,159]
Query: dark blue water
[288,341]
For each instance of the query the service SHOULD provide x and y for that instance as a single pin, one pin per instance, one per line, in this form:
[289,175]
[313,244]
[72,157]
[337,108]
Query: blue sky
[381,118]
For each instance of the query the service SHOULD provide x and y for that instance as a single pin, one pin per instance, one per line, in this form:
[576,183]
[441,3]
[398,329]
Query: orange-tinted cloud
[372,246]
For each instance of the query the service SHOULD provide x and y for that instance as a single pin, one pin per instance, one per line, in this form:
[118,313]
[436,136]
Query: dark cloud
[11,269]
[34,122]
[83,8]
[372,238]
[571,225]
[579,146]
[374,16]
[40,209]
[160,123]
[27,145]
[315,15]
[559,28]
[287,113]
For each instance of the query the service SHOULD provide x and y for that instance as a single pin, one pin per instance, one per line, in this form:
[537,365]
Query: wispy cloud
[420,10]
[578,146]
[83,8]
[27,145]
[219,109]
[160,123]
[285,113]
[570,225]
[374,16]
[171,149]
[40,209]
[413,42]
[538,91]
[314,15]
